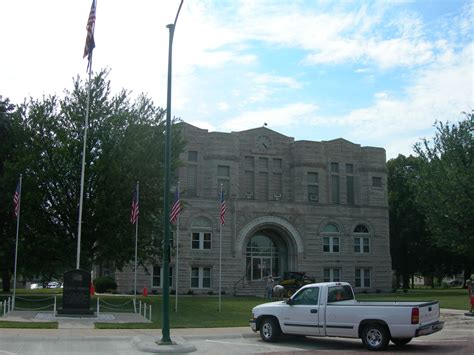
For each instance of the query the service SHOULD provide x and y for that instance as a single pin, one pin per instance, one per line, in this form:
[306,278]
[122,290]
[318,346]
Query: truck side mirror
[290,301]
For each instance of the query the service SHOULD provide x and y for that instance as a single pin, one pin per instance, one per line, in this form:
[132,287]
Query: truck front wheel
[375,337]
[270,329]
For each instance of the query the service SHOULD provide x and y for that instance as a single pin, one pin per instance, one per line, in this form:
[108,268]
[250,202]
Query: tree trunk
[6,281]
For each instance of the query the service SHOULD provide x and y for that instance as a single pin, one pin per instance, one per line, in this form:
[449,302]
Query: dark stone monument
[76,296]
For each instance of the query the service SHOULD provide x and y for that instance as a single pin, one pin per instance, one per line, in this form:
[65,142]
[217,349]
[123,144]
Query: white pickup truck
[330,309]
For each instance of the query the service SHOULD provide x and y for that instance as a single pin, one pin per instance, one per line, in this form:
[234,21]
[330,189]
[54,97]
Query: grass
[28,325]
[202,311]
[452,298]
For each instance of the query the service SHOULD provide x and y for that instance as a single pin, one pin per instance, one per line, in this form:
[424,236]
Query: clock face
[263,143]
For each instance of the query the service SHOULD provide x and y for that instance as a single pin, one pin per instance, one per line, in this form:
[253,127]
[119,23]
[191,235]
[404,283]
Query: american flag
[223,207]
[134,211]
[90,43]
[176,208]
[16,200]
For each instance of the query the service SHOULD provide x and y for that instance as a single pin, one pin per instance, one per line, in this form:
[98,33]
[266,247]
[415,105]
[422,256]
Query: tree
[125,144]
[445,188]
[7,236]
[408,234]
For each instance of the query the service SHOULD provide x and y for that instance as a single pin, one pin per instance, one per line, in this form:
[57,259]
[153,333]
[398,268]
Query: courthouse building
[318,207]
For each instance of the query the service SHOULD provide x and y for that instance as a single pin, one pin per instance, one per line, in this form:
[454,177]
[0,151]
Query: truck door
[302,314]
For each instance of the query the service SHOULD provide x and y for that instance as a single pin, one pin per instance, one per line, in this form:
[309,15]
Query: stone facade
[318,207]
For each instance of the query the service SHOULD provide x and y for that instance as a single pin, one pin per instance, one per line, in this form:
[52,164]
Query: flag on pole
[16,200]
[223,207]
[135,210]
[90,43]
[176,208]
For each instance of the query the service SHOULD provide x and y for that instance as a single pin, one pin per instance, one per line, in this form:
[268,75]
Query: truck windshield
[340,293]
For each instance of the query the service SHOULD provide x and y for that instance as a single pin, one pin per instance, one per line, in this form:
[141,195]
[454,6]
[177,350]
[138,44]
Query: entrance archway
[269,245]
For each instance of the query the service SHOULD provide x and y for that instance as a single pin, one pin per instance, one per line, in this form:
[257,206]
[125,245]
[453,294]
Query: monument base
[75,312]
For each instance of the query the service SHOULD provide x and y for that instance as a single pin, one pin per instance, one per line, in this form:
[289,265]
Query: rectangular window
[335,189]
[376,181]
[312,178]
[249,163]
[277,186]
[248,184]
[334,167]
[361,245]
[157,276]
[191,188]
[313,193]
[350,189]
[362,278]
[349,168]
[332,275]
[263,163]
[277,164]
[201,240]
[225,186]
[193,156]
[262,186]
[223,170]
[200,277]
[331,244]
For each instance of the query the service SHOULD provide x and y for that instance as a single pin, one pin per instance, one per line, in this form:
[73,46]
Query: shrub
[105,284]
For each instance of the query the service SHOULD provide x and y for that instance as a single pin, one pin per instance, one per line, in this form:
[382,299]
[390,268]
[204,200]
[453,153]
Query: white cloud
[439,92]
[275,117]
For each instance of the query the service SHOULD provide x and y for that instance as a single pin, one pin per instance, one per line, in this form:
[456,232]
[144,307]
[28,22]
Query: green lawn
[453,298]
[29,325]
[202,311]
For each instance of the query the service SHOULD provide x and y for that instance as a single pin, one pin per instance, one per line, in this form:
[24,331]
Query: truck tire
[270,329]
[401,341]
[375,337]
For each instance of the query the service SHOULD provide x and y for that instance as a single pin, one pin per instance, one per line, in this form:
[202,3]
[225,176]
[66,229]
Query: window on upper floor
[349,168]
[361,239]
[331,244]
[193,156]
[334,167]
[335,189]
[376,181]
[201,240]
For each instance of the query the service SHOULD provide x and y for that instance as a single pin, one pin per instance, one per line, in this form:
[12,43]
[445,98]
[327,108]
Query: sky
[377,73]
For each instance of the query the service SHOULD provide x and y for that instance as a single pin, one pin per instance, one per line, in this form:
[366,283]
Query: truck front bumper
[253,324]
[429,328]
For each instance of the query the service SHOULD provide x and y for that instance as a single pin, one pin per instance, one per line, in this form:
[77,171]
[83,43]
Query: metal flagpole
[90,44]
[86,124]
[177,260]
[16,242]
[136,249]
[220,251]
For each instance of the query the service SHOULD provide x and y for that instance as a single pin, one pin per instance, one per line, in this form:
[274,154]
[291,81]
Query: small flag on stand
[176,208]
[16,200]
[135,210]
[223,207]
[90,43]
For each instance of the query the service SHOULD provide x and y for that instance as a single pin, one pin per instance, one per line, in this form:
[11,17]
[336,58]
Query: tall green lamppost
[166,339]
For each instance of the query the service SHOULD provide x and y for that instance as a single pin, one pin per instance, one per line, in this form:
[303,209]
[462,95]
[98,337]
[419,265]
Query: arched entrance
[266,254]
[269,245]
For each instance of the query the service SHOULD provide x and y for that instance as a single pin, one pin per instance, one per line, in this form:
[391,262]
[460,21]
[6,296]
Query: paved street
[456,338]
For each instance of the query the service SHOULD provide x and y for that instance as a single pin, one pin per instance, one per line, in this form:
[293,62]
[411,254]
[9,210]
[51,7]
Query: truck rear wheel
[270,329]
[375,337]
[401,341]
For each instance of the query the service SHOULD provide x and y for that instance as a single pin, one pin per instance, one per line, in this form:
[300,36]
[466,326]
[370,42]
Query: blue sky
[375,73]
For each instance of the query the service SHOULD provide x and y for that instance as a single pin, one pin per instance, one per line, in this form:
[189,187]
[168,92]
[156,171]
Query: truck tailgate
[429,312]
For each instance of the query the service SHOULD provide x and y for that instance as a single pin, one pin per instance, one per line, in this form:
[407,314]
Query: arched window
[361,239]
[330,242]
